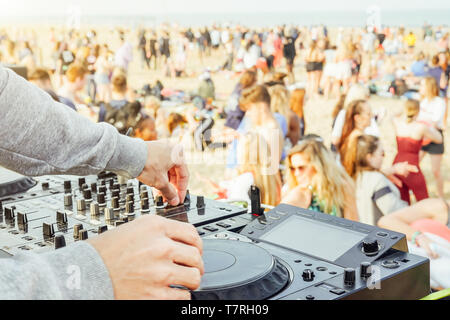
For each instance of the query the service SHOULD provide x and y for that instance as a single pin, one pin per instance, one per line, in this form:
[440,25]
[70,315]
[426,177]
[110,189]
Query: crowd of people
[264,130]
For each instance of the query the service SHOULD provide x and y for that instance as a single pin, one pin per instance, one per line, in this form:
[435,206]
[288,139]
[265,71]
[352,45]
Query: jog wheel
[237,270]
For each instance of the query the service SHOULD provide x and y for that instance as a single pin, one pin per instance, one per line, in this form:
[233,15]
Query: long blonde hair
[279,103]
[331,184]
[254,155]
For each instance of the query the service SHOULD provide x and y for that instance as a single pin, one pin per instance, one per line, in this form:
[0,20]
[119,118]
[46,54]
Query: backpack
[124,117]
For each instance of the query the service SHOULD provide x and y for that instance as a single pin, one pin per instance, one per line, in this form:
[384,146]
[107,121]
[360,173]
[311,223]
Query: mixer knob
[68,200]
[365,270]
[115,186]
[102,182]
[94,187]
[87,194]
[22,218]
[111,183]
[9,214]
[81,205]
[370,247]
[129,207]
[102,229]
[115,194]
[61,217]
[200,202]
[81,181]
[349,277]
[83,235]
[101,199]
[95,212]
[159,201]
[48,230]
[60,242]
[76,230]
[67,186]
[308,275]
[144,204]
[115,203]
[130,190]
[102,189]
[130,198]
[144,195]
[109,214]
[84,187]
[187,199]
[45,186]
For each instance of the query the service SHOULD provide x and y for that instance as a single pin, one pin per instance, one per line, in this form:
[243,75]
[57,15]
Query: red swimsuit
[408,151]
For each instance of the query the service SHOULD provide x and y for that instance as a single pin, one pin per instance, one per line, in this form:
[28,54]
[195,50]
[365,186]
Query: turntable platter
[237,270]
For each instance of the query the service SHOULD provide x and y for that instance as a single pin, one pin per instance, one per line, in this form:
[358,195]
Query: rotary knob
[81,181]
[365,270]
[60,242]
[95,212]
[67,186]
[76,230]
[200,202]
[67,200]
[45,186]
[349,277]
[81,205]
[61,217]
[159,201]
[308,275]
[87,194]
[370,247]
[101,199]
[83,235]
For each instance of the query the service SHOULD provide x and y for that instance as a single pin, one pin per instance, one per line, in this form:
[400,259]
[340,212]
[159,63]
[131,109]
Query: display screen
[314,238]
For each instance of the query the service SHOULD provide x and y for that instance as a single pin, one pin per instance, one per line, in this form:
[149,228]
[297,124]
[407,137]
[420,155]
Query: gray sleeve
[40,136]
[75,272]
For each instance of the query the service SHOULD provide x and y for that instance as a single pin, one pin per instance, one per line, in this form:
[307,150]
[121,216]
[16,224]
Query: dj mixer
[286,253]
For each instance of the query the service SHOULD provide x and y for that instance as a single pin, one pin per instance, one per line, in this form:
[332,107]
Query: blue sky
[130,7]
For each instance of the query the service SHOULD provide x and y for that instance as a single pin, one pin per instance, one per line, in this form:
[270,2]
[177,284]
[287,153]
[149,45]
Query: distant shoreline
[407,18]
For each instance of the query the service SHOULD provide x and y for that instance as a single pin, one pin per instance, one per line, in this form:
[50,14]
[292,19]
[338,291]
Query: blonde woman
[432,112]
[315,181]
[255,167]
[280,105]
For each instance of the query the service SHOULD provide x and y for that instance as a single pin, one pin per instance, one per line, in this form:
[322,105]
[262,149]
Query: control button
[22,219]
[221,235]
[321,269]
[308,264]
[60,242]
[159,201]
[76,230]
[115,203]
[83,235]
[130,190]
[337,291]
[211,228]
[81,181]
[101,199]
[102,189]
[94,187]
[310,297]
[109,214]
[187,199]
[45,186]
[68,200]
[394,237]
[48,230]
[61,217]
[349,277]
[390,264]
[118,223]
[87,194]
[102,229]
[81,205]
[95,212]
[382,234]
[200,202]
[67,186]
[129,207]
[145,205]
[308,275]
[365,270]
[370,247]
[9,214]
[223,225]
[201,233]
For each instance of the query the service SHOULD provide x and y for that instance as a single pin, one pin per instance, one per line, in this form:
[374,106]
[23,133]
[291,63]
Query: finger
[168,293]
[183,232]
[168,191]
[185,276]
[182,180]
[188,256]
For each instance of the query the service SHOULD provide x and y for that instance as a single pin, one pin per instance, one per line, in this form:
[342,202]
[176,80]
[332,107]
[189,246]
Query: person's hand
[424,242]
[404,169]
[166,170]
[148,256]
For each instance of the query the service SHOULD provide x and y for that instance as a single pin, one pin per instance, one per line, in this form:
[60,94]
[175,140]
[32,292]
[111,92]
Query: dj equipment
[286,253]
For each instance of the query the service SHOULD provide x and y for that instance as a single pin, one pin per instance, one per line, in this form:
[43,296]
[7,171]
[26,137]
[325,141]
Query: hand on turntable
[146,258]
[166,170]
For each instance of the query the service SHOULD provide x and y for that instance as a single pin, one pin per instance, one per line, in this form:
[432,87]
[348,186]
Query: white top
[376,196]
[372,130]
[433,111]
